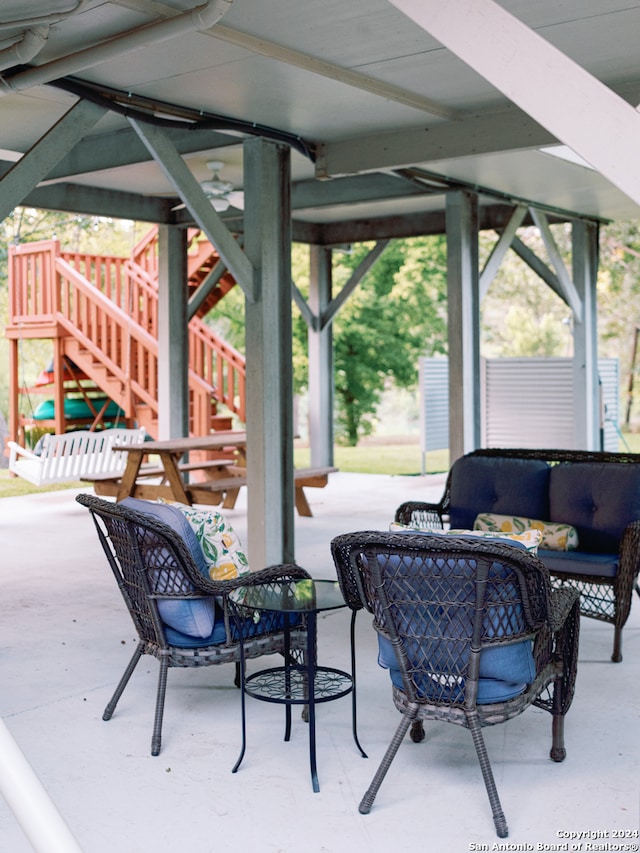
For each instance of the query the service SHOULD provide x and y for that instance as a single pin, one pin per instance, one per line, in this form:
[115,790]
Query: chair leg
[558,753]
[417,731]
[499,819]
[108,711]
[157,722]
[616,657]
[390,754]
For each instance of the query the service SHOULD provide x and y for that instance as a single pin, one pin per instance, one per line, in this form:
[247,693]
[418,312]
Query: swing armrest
[16,450]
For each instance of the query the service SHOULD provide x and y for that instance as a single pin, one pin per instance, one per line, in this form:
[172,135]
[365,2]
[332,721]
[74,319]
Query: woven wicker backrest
[439,598]
[147,558]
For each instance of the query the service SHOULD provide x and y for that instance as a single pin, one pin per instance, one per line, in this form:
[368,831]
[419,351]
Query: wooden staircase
[102,314]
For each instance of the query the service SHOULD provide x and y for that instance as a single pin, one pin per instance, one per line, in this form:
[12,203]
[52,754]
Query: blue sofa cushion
[580,563]
[195,618]
[598,499]
[505,672]
[506,486]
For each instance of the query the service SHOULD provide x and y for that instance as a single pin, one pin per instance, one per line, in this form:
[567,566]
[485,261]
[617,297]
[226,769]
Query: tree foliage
[619,305]
[520,315]
[395,315]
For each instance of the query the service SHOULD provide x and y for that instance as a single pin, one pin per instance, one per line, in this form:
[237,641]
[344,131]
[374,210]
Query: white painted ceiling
[348,78]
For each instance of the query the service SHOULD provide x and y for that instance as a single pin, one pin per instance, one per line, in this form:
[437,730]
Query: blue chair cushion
[194,623]
[267,622]
[185,641]
[505,671]
[505,486]
[192,618]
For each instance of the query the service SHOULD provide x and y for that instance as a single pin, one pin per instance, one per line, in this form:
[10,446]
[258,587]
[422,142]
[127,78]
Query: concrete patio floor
[65,639]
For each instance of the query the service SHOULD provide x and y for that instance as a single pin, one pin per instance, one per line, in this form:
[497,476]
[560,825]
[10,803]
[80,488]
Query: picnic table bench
[220,490]
[224,477]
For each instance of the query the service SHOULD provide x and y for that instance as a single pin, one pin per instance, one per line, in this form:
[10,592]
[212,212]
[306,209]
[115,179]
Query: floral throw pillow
[220,544]
[554,535]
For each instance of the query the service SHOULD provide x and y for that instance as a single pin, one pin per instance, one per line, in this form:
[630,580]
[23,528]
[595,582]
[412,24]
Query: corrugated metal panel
[527,402]
[434,403]
[609,372]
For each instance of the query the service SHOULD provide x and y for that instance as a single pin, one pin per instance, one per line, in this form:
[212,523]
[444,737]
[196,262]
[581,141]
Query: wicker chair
[472,633]
[152,564]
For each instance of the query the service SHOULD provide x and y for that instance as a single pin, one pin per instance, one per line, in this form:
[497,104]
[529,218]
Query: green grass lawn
[12,487]
[381,459]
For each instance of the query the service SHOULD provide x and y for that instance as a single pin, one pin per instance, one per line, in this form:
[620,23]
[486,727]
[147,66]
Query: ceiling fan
[220,193]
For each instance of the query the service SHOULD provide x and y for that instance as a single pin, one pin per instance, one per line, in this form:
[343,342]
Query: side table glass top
[296,596]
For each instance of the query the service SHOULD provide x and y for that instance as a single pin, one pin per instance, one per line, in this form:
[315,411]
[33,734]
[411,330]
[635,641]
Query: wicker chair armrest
[419,514]
[564,624]
[630,549]
[561,602]
[627,574]
[205,588]
[201,584]
[270,574]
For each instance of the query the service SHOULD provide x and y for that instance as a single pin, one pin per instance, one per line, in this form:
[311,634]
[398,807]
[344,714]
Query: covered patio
[65,638]
[339,123]
[329,125]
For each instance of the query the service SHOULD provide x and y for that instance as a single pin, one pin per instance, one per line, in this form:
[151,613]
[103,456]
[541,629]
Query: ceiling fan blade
[236,199]
[219,203]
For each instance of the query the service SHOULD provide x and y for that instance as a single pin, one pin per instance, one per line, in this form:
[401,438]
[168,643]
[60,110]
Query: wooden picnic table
[135,481]
[225,476]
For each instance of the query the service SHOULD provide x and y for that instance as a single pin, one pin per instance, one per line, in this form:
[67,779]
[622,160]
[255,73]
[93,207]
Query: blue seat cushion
[268,622]
[505,486]
[185,641]
[580,563]
[505,671]
[194,618]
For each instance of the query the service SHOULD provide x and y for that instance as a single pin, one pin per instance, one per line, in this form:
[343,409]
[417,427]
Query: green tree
[619,306]
[521,315]
[397,314]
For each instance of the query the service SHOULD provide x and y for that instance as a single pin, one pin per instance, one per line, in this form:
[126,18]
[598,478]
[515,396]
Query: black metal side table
[295,683]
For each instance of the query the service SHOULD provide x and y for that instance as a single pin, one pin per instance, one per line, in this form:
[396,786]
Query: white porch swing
[74,455]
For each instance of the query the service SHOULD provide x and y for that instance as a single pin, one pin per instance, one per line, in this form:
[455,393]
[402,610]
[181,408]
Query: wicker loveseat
[597,493]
